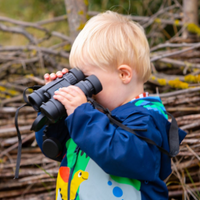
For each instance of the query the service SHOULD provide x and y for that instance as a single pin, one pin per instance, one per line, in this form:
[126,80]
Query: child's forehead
[85,68]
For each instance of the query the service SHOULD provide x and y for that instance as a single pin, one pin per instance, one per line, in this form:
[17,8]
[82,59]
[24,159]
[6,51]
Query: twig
[18,31]
[56,19]
[175,53]
[161,11]
[22,23]
[179,63]
[179,92]
[184,109]
[167,45]
[16,145]
[63,37]
[30,48]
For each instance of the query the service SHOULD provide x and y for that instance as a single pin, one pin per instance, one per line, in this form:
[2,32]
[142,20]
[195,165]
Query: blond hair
[109,40]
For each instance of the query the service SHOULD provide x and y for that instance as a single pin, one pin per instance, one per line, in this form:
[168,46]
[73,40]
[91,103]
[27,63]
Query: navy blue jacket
[118,152]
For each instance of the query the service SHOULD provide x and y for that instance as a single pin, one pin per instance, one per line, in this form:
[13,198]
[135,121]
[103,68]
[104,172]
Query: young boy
[101,161]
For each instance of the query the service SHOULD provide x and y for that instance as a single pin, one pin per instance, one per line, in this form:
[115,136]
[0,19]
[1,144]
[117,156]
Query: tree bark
[77,15]
[190,14]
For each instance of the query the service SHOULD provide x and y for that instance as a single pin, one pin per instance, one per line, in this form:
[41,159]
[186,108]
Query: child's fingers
[62,99]
[47,78]
[65,92]
[59,74]
[52,76]
[65,70]
[73,90]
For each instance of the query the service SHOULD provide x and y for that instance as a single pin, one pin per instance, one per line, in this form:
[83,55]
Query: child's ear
[125,73]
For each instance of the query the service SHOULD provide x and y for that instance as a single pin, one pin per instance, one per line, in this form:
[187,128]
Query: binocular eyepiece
[52,110]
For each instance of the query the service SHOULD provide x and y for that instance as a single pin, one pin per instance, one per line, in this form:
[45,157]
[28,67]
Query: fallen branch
[176,53]
[178,92]
[20,31]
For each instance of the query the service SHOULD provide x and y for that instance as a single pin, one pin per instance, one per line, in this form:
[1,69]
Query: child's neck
[132,92]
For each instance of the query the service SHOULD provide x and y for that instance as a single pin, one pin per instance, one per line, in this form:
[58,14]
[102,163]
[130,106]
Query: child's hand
[71,97]
[50,77]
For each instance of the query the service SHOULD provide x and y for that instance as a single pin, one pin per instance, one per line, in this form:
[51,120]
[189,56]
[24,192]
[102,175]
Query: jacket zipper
[72,170]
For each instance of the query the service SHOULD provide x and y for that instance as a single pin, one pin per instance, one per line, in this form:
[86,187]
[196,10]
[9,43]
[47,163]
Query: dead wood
[23,66]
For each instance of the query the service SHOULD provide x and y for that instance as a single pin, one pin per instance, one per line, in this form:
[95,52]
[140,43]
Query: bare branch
[179,63]
[197,45]
[53,20]
[23,24]
[160,11]
[178,92]
[63,37]
[18,31]
[29,48]
[167,44]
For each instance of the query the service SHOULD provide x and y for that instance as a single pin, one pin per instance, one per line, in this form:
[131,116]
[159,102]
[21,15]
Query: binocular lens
[35,100]
[53,110]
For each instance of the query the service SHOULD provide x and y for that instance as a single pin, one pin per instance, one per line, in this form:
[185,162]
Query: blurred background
[36,37]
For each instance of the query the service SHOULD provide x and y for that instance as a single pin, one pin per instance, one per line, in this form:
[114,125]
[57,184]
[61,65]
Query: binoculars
[52,110]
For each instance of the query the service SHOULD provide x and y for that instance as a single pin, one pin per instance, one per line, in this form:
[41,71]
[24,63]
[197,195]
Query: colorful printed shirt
[105,162]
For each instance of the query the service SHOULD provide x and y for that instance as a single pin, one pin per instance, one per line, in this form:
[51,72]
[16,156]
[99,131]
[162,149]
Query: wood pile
[175,78]
[37,176]
[37,173]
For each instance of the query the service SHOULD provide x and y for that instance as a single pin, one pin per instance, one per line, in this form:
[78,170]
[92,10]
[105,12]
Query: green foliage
[34,10]
[37,10]
[136,7]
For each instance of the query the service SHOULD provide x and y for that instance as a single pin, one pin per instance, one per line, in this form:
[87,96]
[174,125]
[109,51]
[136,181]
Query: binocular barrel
[54,110]
[51,109]
[46,92]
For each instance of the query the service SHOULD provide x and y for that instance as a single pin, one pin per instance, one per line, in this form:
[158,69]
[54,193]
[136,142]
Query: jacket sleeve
[58,131]
[115,150]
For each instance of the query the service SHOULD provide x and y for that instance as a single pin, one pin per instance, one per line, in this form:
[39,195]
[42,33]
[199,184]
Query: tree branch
[29,48]
[197,45]
[18,31]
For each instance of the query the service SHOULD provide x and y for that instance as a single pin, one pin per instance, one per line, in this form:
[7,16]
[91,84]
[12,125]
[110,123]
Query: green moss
[3,96]
[176,22]
[157,20]
[81,26]
[2,89]
[162,81]
[153,77]
[86,2]
[192,79]
[81,12]
[12,92]
[169,65]
[67,47]
[7,96]
[178,84]
[193,28]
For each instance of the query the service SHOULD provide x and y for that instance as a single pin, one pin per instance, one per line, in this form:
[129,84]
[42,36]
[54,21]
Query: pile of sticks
[175,78]
[185,177]
[37,175]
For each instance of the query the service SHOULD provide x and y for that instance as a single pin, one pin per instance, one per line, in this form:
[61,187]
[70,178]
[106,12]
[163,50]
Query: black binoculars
[52,110]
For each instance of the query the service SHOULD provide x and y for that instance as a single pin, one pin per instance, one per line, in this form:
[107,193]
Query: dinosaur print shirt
[101,161]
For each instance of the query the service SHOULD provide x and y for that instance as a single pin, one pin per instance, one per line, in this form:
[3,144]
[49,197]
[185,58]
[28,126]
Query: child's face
[109,97]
